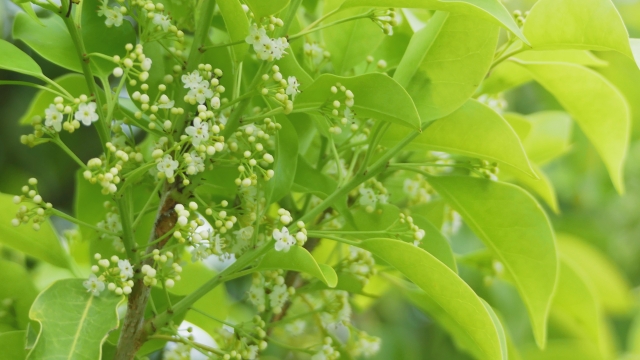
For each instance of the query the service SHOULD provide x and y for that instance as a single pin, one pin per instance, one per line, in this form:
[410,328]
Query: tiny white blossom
[86,113]
[191,80]
[53,118]
[168,166]
[199,131]
[368,197]
[292,87]
[283,239]
[257,35]
[146,64]
[163,21]
[126,270]
[93,285]
[200,92]
[113,16]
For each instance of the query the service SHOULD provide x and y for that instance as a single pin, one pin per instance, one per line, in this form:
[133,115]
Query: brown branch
[132,335]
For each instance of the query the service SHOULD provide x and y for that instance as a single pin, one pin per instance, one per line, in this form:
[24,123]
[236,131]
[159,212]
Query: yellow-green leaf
[298,259]
[13,345]
[13,59]
[577,24]
[611,286]
[446,62]
[516,229]
[444,295]
[72,321]
[596,105]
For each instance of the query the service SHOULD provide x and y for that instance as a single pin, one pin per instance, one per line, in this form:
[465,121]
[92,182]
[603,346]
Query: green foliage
[296,179]
[72,321]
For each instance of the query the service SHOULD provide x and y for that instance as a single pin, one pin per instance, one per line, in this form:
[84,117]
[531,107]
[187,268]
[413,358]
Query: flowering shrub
[314,156]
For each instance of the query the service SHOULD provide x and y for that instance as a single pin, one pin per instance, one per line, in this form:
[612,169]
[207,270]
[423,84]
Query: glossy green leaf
[237,25]
[286,158]
[612,288]
[596,105]
[508,75]
[515,228]
[13,344]
[575,305]
[435,243]
[376,96]
[99,38]
[309,180]
[444,295]
[550,135]
[17,286]
[75,84]
[446,62]
[541,186]
[352,41]
[563,349]
[576,24]
[298,259]
[40,38]
[13,59]
[42,244]
[492,9]
[261,8]
[289,66]
[72,321]
[473,130]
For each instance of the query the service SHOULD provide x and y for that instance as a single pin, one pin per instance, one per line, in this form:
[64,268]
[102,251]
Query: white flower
[86,113]
[199,131]
[53,118]
[368,197]
[126,270]
[191,80]
[295,328]
[163,21]
[252,352]
[200,252]
[292,87]
[114,17]
[283,239]
[167,166]
[165,103]
[367,346]
[279,47]
[256,295]
[257,35]
[200,92]
[278,296]
[315,52]
[93,285]
[244,234]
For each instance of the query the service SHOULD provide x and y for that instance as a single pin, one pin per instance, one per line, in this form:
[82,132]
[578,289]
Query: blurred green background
[590,207]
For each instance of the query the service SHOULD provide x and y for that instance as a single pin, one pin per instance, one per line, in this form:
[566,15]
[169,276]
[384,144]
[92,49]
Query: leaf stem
[65,216]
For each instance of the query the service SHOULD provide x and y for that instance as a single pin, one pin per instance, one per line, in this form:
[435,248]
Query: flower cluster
[360,263]
[315,55]
[328,352]
[418,234]
[337,109]
[269,285]
[111,227]
[417,189]
[284,240]
[267,48]
[117,274]
[134,66]
[165,268]
[386,20]
[497,102]
[364,344]
[113,15]
[281,90]
[248,148]
[371,193]
[106,170]
[37,212]
[200,83]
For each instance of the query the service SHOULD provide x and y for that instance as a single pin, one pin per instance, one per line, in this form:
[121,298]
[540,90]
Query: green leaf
[514,227]
[435,243]
[289,66]
[261,8]
[99,38]
[17,286]
[237,26]
[541,186]
[298,259]
[508,75]
[577,24]
[473,130]
[574,303]
[352,41]
[12,344]
[13,59]
[611,286]
[40,38]
[446,62]
[72,321]
[309,180]
[492,9]
[284,166]
[75,84]
[376,96]
[595,104]
[563,349]
[42,244]
[467,314]
[549,137]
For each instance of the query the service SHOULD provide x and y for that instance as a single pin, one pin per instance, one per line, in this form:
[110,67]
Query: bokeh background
[590,207]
